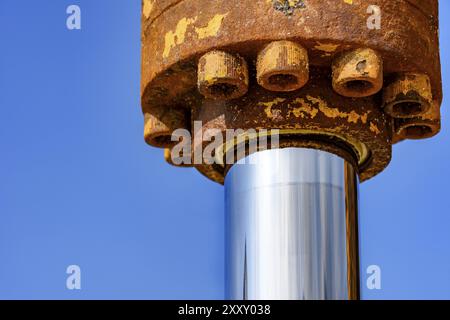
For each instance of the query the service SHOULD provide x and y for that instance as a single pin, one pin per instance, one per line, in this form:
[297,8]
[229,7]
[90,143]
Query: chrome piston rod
[291,227]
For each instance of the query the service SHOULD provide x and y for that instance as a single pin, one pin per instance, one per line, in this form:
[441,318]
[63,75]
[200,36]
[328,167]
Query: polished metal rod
[291,227]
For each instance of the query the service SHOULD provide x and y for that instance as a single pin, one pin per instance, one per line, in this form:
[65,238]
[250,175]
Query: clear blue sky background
[79,186]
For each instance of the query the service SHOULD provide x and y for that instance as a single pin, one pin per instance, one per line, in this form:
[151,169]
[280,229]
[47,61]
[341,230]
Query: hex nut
[222,76]
[408,96]
[283,66]
[358,73]
[161,122]
[423,127]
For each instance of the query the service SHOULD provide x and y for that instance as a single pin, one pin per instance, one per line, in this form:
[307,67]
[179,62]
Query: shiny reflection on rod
[291,227]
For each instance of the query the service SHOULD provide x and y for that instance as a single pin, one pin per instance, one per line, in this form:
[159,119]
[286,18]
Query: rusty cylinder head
[317,72]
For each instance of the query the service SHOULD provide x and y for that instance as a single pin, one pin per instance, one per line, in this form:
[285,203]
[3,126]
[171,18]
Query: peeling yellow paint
[148,7]
[269,105]
[304,108]
[352,117]
[311,106]
[212,28]
[177,37]
[374,128]
[348,1]
[364,117]
[328,48]
[273,102]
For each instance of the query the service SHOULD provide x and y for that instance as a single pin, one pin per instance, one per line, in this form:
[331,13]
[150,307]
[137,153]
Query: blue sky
[79,186]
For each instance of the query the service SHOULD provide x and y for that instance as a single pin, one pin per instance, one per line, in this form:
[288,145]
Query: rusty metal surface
[316,112]
[407,40]
[154,8]
[176,33]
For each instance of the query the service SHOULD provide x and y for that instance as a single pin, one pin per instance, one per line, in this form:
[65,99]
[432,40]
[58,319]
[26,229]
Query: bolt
[423,127]
[222,76]
[283,66]
[358,73]
[161,122]
[408,96]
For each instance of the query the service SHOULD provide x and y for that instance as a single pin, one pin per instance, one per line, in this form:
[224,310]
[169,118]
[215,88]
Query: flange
[336,52]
